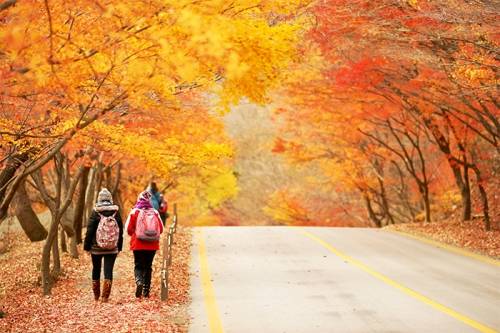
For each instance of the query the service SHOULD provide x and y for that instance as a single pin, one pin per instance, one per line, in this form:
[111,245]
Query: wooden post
[168,242]
[164,269]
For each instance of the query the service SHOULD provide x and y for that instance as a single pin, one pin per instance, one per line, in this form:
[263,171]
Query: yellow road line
[478,326]
[214,322]
[450,248]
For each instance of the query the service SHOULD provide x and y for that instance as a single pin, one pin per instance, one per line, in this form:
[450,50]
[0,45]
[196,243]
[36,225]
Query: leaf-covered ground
[71,307]
[469,235]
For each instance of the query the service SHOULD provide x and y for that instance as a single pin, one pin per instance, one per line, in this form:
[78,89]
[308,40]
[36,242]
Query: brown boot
[96,288]
[106,290]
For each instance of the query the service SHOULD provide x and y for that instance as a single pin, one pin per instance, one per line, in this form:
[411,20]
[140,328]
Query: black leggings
[143,260]
[109,262]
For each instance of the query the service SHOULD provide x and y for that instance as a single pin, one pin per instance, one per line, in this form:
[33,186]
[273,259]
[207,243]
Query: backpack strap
[104,216]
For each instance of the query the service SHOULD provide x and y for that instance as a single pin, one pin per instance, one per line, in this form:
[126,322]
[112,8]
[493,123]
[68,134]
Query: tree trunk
[27,218]
[371,213]
[462,181]
[45,269]
[117,194]
[99,178]
[486,209]
[67,222]
[385,202]
[56,260]
[423,188]
[89,195]
[427,204]
[466,196]
[62,237]
[108,178]
[58,206]
[80,206]
[73,249]
[45,266]
[463,185]
[6,175]
[484,197]
[403,192]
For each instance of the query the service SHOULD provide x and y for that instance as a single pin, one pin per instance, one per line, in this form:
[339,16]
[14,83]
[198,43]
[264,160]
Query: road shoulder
[468,238]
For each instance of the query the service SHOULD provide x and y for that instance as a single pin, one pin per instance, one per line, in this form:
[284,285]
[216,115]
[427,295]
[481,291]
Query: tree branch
[6,4]
[71,191]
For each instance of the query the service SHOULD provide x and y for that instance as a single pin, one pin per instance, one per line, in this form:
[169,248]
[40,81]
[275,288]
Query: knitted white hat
[104,196]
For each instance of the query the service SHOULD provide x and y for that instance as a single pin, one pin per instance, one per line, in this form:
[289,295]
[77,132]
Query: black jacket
[90,242]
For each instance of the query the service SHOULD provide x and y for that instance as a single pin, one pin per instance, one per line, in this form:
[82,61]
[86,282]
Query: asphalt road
[306,280]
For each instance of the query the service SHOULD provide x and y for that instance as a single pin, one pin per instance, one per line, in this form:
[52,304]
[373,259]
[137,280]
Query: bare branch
[6,4]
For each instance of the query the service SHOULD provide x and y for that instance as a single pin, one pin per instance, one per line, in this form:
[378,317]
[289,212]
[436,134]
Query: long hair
[153,187]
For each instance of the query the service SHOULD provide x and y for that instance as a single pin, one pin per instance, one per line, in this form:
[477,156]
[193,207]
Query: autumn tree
[433,65]
[63,66]
[93,92]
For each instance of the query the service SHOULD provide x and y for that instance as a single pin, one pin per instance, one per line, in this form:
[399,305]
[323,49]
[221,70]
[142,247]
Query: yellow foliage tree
[63,65]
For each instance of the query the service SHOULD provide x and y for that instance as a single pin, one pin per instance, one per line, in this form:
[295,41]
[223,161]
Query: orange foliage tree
[396,82]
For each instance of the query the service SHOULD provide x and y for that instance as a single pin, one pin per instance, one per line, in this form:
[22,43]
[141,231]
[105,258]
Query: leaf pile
[71,307]
[470,235]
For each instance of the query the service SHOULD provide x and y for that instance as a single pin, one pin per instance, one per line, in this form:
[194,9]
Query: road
[306,280]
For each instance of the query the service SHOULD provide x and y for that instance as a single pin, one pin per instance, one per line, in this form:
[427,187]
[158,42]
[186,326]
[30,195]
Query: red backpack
[107,233]
[147,227]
